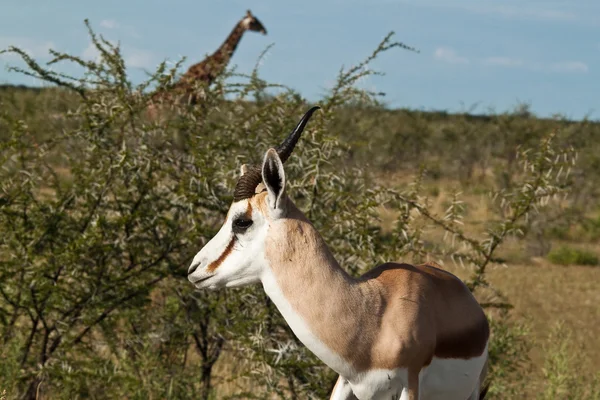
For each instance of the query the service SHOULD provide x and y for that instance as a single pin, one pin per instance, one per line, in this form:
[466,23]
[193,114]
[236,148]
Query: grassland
[555,307]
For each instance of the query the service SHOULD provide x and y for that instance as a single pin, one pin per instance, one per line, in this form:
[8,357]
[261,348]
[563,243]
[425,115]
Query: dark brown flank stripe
[466,344]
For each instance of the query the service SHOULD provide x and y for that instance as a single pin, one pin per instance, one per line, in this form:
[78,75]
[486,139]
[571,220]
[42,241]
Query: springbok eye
[241,224]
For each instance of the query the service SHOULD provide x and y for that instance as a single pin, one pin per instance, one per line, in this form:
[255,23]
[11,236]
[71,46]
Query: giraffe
[208,69]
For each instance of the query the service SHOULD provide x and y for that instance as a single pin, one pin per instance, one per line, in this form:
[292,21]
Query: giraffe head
[252,23]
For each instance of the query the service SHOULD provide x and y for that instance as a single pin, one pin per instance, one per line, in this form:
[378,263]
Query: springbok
[399,331]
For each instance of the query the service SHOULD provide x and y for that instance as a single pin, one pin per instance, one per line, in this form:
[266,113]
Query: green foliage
[102,209]
[591,227]
[567,255]
[508,352]
[563,376]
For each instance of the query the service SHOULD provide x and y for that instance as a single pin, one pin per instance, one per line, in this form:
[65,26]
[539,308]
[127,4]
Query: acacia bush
[102,210]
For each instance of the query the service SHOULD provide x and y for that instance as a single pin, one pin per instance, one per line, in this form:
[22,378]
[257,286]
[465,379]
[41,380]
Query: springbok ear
[243,169]
[274,179]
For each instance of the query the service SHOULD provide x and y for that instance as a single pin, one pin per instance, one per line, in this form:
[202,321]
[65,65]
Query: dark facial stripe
[215,264]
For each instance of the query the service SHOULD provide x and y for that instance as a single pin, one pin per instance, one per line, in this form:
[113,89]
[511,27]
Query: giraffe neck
[211,67]
[224,53]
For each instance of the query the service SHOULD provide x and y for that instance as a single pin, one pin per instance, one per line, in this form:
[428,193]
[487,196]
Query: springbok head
[236,255]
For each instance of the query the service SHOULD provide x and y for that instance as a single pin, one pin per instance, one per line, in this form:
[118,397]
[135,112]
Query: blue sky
[491,53]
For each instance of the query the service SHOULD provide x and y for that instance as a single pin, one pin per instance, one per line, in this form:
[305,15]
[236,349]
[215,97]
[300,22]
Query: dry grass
[545,294]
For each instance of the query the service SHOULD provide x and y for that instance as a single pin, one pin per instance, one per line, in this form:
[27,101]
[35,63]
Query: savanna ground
[101,210]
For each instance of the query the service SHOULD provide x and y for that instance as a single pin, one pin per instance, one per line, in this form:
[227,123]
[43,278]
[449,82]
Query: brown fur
[396,315]
[459,317]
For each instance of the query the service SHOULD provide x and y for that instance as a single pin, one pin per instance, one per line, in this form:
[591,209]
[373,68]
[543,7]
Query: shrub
[566,255]
[509,349]
[591,227]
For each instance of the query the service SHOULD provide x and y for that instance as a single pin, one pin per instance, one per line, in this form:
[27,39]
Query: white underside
[448,378]
[442,379]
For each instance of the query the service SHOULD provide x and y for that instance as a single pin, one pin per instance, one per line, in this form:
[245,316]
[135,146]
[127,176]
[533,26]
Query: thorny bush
[102,209]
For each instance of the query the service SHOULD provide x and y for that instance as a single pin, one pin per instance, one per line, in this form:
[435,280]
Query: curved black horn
[284,150]
[246,185]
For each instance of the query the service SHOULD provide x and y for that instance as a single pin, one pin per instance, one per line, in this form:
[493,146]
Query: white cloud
[524,12]
[503,62]
[134,57]
[138,58]
[561,66]
[91,53]
[34,47]
[570,66]
[449,55]
[515,9]
[109,24]
[116,26]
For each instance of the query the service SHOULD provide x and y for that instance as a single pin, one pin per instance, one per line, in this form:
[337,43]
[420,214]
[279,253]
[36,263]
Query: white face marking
[232,259]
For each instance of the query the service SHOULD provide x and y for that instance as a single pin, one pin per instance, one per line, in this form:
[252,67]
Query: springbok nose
[193,267]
